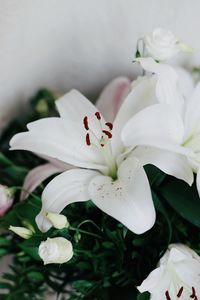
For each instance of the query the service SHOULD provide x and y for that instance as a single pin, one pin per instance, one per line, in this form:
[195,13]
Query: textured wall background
[82,44]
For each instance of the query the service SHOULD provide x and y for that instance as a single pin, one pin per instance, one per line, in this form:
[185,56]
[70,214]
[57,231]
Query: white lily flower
[162,44]
[109,174]
[55,250]
[187,109]
[108,103]
[176,277]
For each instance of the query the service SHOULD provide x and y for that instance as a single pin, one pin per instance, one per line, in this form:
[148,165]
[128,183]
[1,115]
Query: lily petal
[152,281]
[61,139]
[192,115]
[74,106]
[127,199]
[68,187]
[141,96]
[157,125]
[186,82]
[112,97]
[167,90]
[36,176]
[198,182]
[173,164]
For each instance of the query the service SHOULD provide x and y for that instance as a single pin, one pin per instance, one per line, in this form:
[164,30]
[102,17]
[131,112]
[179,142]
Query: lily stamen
[180,292]
[88,139]
[193,295]
[167,295]
[85,122]
[110,125]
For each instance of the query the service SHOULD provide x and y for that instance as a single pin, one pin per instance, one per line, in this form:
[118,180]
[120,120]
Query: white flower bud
[57,220]
[6,199]
[23,232]
[55,250]
[162,44]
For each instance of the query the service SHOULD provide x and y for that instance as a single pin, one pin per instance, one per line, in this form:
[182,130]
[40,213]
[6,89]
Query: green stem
[85,232]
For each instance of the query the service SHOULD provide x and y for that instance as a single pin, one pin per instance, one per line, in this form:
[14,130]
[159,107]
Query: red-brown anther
[180,292]
[85,122]
[167,295]
[193,295]
[108,133]
[97,114]
[88,139]
[110,125]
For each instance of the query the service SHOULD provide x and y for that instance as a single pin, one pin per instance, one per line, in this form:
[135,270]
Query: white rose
[23,232]
[162,44]
[55,250]
[6,199]
[177,275]
[57,220]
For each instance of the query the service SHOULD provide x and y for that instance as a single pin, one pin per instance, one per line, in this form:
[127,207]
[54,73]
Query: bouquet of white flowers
[106,196]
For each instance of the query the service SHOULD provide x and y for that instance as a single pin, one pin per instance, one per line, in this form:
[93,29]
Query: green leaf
[5,285]
[155,175]
[143,296]
[183,199]
[4,161]
[160,207]
[37,276]
[3,252]
[30,247]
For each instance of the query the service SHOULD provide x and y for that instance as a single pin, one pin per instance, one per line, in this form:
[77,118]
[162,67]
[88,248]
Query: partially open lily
[176,277]
[108,173]
[188,109]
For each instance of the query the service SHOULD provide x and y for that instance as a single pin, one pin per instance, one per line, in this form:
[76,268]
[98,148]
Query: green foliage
[109,261]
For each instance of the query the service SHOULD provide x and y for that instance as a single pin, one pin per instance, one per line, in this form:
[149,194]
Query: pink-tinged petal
[68,187]
[6,199]
[36,176]
[5,207]
[128,198]
[112,97]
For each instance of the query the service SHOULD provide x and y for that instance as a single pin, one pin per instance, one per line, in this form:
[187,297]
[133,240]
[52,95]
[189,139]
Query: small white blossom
[162,44]
[177,275]
[23,232]
[55,250]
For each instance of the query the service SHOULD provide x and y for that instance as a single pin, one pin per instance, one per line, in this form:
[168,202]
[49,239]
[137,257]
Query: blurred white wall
[64,44]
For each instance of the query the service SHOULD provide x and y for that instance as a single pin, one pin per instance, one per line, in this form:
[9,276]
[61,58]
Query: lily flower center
[101,141]
[182,289]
